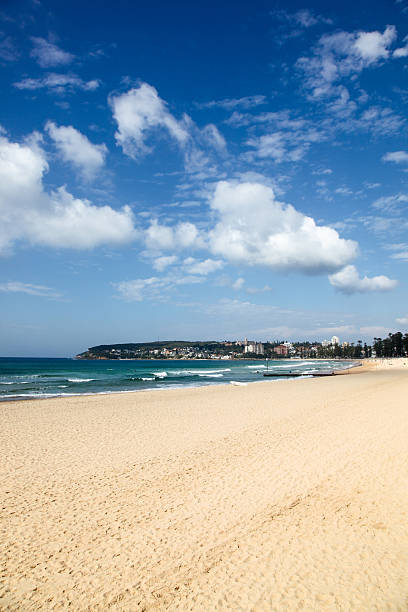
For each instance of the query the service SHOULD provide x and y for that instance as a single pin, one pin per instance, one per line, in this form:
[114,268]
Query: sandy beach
[282,495]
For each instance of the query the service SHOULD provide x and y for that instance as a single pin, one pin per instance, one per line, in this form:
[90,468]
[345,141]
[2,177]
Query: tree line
[394,345]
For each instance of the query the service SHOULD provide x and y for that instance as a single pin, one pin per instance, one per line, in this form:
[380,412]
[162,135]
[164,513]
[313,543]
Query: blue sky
[217,171]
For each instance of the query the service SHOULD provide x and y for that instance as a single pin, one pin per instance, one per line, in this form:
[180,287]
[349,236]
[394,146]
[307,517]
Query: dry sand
[276,496]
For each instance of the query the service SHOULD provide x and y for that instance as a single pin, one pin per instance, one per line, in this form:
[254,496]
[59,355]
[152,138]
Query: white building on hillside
[254,347]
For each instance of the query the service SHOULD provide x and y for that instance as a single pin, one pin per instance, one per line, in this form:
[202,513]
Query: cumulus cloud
[164,237]
[137,113]
[348,281]
[29,288]
[29,213]
[398,157]
[402,320]
[48,54]
[372,46]
[141,114]
[58,83]
[75,148]
[253,228]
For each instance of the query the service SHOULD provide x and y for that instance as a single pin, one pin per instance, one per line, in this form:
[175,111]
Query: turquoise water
[38,378]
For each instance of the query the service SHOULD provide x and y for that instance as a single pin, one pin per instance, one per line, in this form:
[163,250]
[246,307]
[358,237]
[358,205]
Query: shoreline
[260,497]
[354,363]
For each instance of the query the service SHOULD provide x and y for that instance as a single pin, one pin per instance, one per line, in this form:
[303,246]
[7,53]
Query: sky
[199,171]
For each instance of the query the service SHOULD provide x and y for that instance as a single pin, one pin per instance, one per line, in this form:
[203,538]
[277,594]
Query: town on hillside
[394,345]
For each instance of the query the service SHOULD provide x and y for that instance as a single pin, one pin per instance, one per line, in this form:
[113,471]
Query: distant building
[326,343]
[281,349]
[334,341]
[254,347]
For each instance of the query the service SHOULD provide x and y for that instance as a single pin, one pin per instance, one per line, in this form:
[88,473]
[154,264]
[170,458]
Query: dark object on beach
[310,373]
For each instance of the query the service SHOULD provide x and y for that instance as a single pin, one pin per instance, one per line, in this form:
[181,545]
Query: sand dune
[276,496]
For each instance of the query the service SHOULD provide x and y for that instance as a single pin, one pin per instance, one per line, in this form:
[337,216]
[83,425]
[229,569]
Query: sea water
[28,378]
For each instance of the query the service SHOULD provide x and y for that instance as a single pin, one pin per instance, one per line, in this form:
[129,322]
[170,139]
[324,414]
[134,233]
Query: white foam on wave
[160,374]
[147,378]
[281,367]
[7,383]
[238,384]
[211,375]
[80,380]
[257,366]
[199,372]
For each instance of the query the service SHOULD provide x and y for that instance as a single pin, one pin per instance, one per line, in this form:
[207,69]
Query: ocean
[28,378]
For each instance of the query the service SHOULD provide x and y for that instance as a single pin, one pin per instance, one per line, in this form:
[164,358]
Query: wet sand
[281,495]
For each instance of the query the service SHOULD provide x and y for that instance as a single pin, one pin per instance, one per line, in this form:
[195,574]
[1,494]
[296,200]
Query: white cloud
[343,191]
[399,157]
[141,114]
[263,289]
[253,228]
[31,214]
[28,288]
[287,137]
[153,288]
[401,52]
[402,255]
[135,290]
[372,46]
[213,136]
[192,266]
[47,54]
[137,113]
[382,121]
[402,320]
[58,83]
[275,146]
[231,103]
[76,149]
[164,237]
[348,281]
[163,262]
[391,203]
[305,18]
[343,54]
[238,284]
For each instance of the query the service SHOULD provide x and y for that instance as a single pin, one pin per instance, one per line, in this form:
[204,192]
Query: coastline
[221,497]
[351,363]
